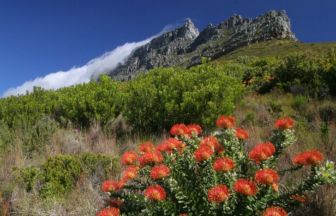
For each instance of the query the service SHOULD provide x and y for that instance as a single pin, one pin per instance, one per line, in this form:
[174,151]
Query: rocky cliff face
[185,46]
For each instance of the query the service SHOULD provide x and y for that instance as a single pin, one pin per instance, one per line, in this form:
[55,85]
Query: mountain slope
[185,46]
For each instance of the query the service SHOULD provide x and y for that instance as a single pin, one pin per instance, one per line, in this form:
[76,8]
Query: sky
[57,43]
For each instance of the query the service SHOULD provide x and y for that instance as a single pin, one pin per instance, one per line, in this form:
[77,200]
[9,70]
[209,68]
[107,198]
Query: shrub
[300,103]
[163,96]
[192,175]
[275,107]
[61,173]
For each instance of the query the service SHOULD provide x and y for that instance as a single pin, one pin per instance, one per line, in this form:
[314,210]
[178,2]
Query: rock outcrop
[185,46]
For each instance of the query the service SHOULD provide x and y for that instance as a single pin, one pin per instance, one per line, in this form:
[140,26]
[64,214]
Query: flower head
[155,192]
[109,212]
[241,134]
[275,187]
[150,157]
[223,164]
[266,176]
[129,158]
[308,158]
[130,173]
[246,186]
[115,203]
[226,122]
[179,130]
[212,142]
[261,152]
[159,171]
[194,128]
[274,211]
[218,194]
[203,153]
[110,186]
[284,123]
[146,147]
[122,183]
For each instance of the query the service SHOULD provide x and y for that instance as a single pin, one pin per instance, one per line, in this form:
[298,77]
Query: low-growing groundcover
[210,175]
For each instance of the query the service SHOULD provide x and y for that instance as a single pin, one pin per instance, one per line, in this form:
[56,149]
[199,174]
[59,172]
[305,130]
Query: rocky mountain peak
[185,46]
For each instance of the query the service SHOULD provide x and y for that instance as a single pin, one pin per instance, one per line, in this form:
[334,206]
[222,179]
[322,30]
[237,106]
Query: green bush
[164,96]
[275,107]
[300,103]
[61,173]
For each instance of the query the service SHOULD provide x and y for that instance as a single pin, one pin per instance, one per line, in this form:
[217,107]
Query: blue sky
[39,37]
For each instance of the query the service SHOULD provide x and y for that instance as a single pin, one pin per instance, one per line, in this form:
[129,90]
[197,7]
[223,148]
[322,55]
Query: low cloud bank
[77,75]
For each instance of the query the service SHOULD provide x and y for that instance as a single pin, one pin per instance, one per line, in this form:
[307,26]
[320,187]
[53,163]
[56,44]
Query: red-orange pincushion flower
[241,134]
[115,203]
[274,211]
[150,157]
[129,158]
[194,128]
[130,173]
[146,147]
[155,192]
[266,176]
[159,171]
[246,186]
[308,158]
[284,123]
[212,142]
[109,212]
[226,121]
[223,164]
[203,153]
[261,152]
[300,198]
[275,187]
[122,183]
[218,194]
[109,186]
[179,130]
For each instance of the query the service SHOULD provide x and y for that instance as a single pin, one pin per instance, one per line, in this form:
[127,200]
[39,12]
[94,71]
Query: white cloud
[77,75]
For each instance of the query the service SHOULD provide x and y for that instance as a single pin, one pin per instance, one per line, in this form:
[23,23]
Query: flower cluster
[261,152]
[308,158]
[285,123]
[180,169]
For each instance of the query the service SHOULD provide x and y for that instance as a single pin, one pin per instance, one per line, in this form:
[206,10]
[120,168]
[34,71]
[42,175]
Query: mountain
[185,46]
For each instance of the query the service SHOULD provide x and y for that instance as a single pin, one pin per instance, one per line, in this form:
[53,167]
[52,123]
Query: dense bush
[192,175]
[166,95]
[62,173]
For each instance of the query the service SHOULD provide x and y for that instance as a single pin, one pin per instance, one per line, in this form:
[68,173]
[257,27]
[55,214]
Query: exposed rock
[185,46]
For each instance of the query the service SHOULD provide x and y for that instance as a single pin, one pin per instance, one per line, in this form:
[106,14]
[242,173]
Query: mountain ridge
[185,46]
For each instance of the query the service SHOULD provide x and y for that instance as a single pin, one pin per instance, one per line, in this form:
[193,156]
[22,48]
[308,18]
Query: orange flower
[179,130]
[212,142]
[223,164]
[203,153]
[261,152]
[109,212]
[155,192]
[146,147]
[159,171]
[241,134]
[129,158]
[115,203]
[275,187]
[266,176]
[226,121]
[284,123]
[109,186]
[218,194]
[246,186]
[308,158]
[274,211]
[170,144]
[130,173]
[150,157]
[300,198]
[194,128]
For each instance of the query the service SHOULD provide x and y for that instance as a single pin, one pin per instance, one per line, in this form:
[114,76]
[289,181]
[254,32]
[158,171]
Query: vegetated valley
[57,147]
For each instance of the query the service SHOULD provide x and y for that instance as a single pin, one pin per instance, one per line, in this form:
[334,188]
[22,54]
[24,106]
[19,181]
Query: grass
[277,48]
